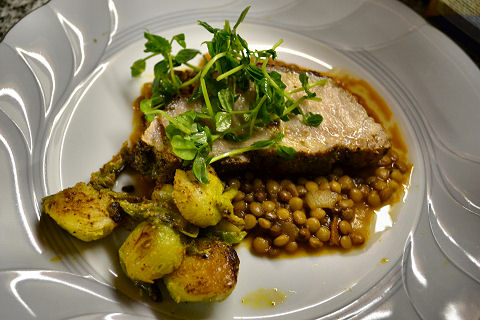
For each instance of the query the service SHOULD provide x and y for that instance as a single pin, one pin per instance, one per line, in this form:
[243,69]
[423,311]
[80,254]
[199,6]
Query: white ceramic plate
[65,96]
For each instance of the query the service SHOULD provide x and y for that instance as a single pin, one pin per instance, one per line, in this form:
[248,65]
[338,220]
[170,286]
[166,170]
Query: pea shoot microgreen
[231,69]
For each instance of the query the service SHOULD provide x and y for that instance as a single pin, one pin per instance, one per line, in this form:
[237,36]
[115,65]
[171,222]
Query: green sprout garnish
[231,69]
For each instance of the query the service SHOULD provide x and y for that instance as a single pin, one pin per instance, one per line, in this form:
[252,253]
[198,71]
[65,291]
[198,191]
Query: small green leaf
[243,43]
[312,119]
[146,105]
[187,119]
[161,67]
[241,18]
[157,44]
[260,144]
[186,55]
[199,169]
[304,80]
[226,99]
[147,109]
[223,121]
[209,135]
[207,26]
[180,38]
[183,148]
[286,152]
[199,138]
[172,131]
[138,67]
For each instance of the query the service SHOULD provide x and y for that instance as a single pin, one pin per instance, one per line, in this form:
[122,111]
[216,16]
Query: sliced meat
[347,134]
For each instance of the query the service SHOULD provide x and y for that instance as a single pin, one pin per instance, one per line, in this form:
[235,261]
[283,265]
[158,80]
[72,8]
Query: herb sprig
[231,69]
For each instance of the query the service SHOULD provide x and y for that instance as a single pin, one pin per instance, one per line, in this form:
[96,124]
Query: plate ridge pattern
[433,172]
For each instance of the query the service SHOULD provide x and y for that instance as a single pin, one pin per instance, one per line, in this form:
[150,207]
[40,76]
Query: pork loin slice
[347,134]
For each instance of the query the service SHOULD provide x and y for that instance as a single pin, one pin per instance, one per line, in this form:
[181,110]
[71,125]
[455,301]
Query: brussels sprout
[162,208]
[208,273]
[151,251]
[225,231]
[106,176]
[201,204]
[81,210]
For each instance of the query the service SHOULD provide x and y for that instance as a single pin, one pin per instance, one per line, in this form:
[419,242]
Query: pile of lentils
[279,218]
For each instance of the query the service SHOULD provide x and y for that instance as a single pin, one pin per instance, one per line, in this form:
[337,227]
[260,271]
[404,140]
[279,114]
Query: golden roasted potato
[151,251]
[201,204]
[82,211]
[208,273]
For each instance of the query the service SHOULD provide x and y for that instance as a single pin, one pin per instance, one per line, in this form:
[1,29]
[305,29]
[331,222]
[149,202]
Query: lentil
[234,183]
[396,175]
[250,221]
[239,196]
[313,224]
[261,245]
[346,183]
[401,166]
[346,242]
[281,240]
[323,234]
[275,230]
[382,173]
[315,243]
[273,187]
[374,199]
[299,217]
[345,227]
[311,186]
[239,206]
[283,214]
[318,213]
[268,206]
[296,203]
[324,186]
[356,195]
[276,211]
[291,246]
[302,191]
[256,209]
[247,187]
[285,195]
[335,187]
[258,184]
[347,203]
[249,197]
[264,223]
[261,195]
[270,216]
[357,238]
[348,214]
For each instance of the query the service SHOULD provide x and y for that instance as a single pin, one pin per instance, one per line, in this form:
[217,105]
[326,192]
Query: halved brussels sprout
[151,251]
[82,211]
[208,273]
[201,204]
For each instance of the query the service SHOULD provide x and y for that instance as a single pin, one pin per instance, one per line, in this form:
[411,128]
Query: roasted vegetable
[208,273]
[81,210]
[160,209]
[225,231]
[151,251]
[105,177]
[202,204]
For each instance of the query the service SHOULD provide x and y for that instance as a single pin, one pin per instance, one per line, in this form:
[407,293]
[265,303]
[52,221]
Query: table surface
[11,11]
